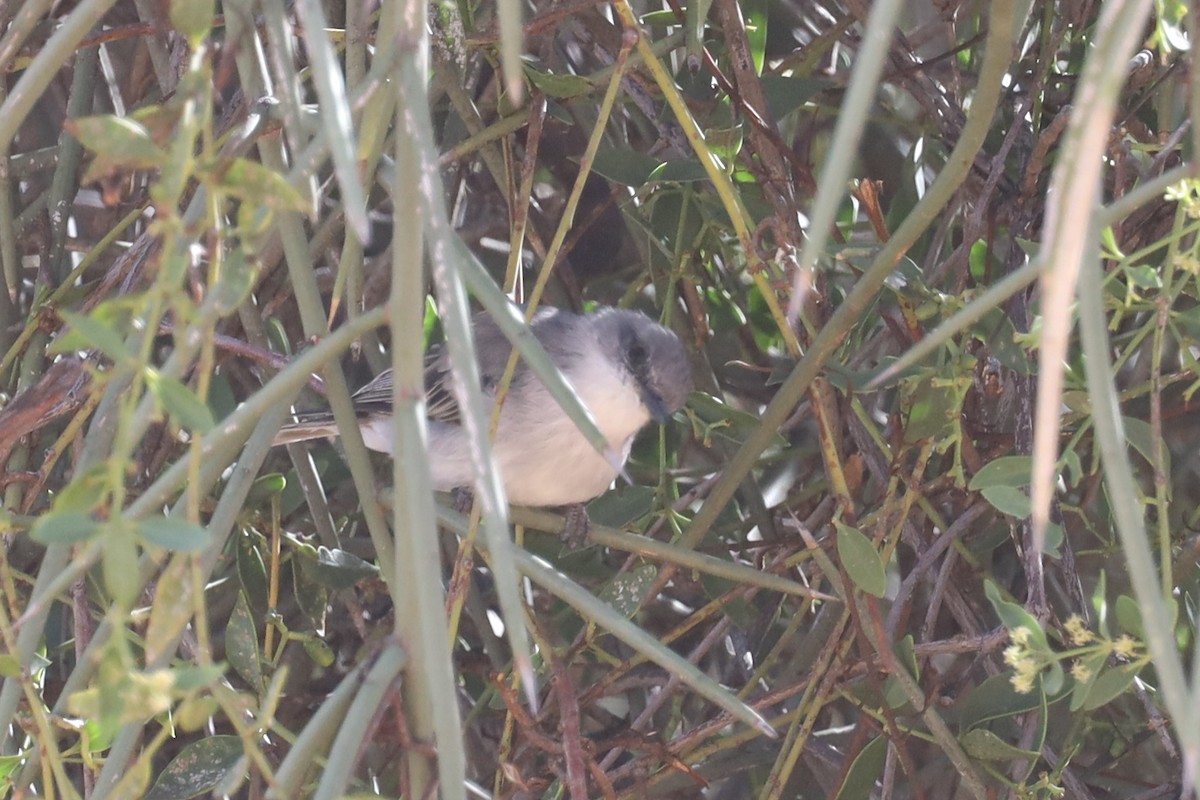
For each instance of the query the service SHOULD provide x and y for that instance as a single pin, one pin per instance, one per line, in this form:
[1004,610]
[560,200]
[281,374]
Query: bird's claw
[577,528]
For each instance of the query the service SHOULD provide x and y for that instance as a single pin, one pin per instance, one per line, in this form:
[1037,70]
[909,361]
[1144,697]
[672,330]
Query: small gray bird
[626,368]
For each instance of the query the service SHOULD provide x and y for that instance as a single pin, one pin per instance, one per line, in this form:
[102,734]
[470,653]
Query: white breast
[543,458]
[549,462]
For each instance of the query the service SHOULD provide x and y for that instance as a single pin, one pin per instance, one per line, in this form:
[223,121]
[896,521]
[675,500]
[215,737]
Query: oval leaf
[251,181]
[983,744]
[1008,500]
[241,644]
[865,771]
[119,141]
[996,698]
[172,533]
[1140,436]
[201,767]
[338,569]
[88,332]
[626,592]
[192,18]
[560,86]
[10,667]
[861,561]
[180,402]
[1129,616]
[65,527]
[1014,616]
[629,167]
[1110,685]
[120,557]
[171,609]
[1009,471]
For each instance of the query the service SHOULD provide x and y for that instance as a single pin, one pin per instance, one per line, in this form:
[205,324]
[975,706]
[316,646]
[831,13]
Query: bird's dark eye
[637,354]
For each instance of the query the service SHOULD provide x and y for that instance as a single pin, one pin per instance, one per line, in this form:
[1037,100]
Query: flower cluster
[1089,652]
[1026,662]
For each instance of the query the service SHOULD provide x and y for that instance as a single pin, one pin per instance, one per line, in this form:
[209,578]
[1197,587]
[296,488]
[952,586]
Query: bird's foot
[463,500]
[577,528]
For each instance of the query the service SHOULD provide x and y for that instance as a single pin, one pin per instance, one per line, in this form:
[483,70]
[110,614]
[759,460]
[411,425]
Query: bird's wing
[492,349]
[376,396]
[440,402]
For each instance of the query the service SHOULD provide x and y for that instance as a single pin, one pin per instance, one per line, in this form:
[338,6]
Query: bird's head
[655,359]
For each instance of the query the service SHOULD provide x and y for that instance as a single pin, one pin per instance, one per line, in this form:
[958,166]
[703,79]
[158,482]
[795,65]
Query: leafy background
[873,225]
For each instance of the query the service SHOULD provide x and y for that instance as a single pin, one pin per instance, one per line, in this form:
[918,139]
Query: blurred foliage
[193,194]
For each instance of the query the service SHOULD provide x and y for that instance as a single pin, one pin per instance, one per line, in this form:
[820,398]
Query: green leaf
[755,14]
[1007,471]
[996,329]
[906,656]
[723,420]
[996,698]
[195,712]
[1173,27]
[10,666]
[9,766]
[785,95]
[339,569]
[119,142]
[1054,539]
[1053,677]
[172,533]
[1109,685]
[725,142]
[983,744]
[624,166]
[1100,603]
[89,332]
[85,491]
[1144,276]
[933,411]
[264,488]
[659,19]
[1008,500]
[1094,664]
[119,557]
[312,597]
[1014,616]
[238,274]
[63,527]
[978,261]
[241,645]
[160,121]
[321,654]
[171,609]
[860,560]
[680,171]
[191,679]
[198,769]
[617,509]
[1129,616]
[1140,436]
[252,182]
[865,771]
[252,573]
[560,86]
[626,592]
[124,697]
[193,19]
[180,402]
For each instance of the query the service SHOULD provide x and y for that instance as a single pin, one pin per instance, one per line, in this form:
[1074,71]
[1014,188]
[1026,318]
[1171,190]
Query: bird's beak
[656,407]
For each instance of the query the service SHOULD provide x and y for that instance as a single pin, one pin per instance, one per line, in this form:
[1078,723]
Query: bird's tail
[306,426]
